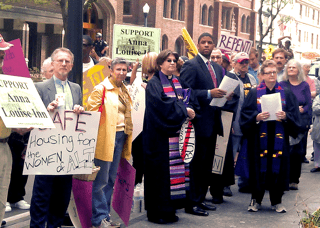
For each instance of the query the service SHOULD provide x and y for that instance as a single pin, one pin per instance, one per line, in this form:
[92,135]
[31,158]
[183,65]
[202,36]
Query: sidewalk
[233,212]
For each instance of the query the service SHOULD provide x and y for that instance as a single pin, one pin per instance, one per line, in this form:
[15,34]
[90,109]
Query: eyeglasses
[244,61]
[269,73]
[171,60]
[215,57]
[61,61]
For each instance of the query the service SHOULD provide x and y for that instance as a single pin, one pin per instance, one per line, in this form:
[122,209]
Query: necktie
[213,76]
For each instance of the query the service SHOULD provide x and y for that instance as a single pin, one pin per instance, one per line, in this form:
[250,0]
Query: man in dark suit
[51,193]
[203,76]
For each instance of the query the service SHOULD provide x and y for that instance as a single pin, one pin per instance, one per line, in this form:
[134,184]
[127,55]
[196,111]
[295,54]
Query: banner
[67,149]
[222,143]
[21,105]
[123,190]
[132,42]
[14,62]
[138,97]
[228,43]
[92,77]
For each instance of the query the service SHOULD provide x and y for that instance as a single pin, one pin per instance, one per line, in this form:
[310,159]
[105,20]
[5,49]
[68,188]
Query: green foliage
[6,4]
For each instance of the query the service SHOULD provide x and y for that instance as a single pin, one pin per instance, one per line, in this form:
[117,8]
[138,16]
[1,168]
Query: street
[232,213]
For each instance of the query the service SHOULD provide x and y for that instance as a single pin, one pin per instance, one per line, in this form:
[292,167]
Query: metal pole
[145,19]
[74,38]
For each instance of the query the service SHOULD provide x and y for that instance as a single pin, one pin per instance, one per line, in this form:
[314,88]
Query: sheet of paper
[271,103]
[228,84]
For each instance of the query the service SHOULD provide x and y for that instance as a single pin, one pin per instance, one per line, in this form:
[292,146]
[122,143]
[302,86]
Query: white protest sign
[132,42]
[21,105]
[138,97]
[222,143]
[67,149]
[271,103]
[187,142]
[231,43]
[228,84]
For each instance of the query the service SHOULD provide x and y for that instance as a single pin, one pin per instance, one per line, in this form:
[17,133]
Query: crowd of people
[265,153]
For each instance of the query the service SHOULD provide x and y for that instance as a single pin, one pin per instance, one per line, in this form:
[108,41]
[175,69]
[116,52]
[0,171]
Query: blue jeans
[102,187]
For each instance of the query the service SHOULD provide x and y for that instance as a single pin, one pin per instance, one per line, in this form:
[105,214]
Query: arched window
[204,14]
[210,16]
[179,46]
[173,9]
[248,25]
[165,8]
[164,42]
[243,23]
[181,10]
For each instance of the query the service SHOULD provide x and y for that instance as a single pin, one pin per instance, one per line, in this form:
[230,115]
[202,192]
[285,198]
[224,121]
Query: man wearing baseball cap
[5,153]
[247,81]
[100,46]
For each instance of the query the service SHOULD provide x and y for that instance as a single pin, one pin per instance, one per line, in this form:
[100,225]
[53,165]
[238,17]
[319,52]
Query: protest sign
[67,149]
[222,143]
[21,105]
[229,43]
[138,95]
[123,190]
[93,77]
[132,42]
[14,62]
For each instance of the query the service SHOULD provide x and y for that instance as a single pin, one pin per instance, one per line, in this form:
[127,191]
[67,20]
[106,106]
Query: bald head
[216,56]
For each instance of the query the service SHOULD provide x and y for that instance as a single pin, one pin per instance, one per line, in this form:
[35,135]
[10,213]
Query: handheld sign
[132,42]
[14,62]
[21,105]
[67,149]
[92,77]
[230,43]
[187,141]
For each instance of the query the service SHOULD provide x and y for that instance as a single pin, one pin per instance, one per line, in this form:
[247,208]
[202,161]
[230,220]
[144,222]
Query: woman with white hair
[293,79]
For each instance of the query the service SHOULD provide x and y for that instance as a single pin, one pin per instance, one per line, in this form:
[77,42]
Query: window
[173,9]
[314,14]
[178,46]
[165,8]
[204,14]
[228,19]
[243,23]
[299,36]
[318,17]
[181,10]
[126,7]
[317,42]
[306,11]
[300,10]
[210,16]
[164,42]
[248,25]
[311,40]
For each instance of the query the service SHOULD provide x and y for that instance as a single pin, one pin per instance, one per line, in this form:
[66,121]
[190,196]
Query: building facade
[40,27]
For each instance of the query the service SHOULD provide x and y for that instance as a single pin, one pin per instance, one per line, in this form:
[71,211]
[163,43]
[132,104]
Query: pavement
[232,213]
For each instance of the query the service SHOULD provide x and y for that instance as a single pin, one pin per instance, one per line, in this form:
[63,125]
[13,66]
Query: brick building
[40,26]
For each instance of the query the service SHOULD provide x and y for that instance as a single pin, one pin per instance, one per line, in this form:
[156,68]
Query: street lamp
[145,10]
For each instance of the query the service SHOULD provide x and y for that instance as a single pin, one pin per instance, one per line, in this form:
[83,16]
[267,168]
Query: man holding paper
[203,76]
[51,193]
[268,140]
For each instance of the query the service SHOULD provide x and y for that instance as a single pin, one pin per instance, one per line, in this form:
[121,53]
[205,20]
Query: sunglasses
[171,60]
[244,61]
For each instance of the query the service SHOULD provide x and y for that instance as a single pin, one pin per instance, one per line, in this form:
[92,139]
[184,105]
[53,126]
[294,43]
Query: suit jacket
[47,92]
[195,75]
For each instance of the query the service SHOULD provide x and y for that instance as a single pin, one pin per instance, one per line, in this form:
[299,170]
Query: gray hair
[62,49]
[45,62]
[119,60]
[300,75]
[305,63]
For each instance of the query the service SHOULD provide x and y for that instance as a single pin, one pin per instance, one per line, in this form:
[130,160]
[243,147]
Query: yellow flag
[192,49]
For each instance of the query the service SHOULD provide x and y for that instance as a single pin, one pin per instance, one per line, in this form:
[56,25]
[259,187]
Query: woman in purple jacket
[293,79]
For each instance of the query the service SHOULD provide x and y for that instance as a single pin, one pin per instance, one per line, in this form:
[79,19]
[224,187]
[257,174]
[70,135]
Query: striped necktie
[213,76]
